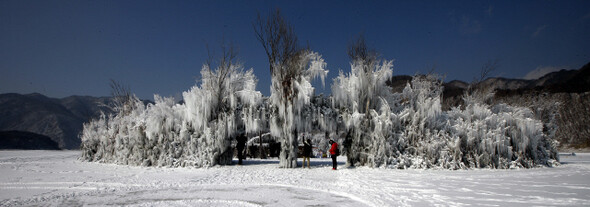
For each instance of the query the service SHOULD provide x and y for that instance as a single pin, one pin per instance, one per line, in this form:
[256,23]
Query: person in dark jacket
[307,152]
[334,152]
[240,146]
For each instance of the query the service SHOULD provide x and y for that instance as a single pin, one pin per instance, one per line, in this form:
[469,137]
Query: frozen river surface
[57,178]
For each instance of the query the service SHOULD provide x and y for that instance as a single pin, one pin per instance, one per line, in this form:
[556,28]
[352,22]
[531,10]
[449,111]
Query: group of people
[307,151]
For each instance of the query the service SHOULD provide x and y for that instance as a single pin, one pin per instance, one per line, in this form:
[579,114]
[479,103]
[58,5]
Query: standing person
[334,152]
[307,152]
[241,144]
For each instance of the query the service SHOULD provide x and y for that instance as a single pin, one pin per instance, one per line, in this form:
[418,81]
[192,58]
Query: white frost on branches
[411,131]
[379,128]
[358,97]
[197,133]
[291,93]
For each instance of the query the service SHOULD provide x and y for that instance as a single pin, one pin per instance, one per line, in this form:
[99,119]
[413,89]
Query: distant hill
[563,81]
[86,107]
[26,140]
[59,119]
[577,81]
[398,82]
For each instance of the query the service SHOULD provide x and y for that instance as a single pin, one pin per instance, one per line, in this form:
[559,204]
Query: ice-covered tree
[410,129]
[477,135]
[292,68]
[358,96]
[425,132]
[196,133]
[498,135]
[212,108]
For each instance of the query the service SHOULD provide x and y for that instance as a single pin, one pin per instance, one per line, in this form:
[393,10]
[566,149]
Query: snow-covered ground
[57,178]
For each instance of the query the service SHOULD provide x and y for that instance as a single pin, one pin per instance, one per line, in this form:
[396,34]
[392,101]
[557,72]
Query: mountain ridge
[26,141]
[59,119]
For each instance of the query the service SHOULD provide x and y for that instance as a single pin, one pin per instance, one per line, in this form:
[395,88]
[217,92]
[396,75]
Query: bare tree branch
[359,51]
[487,69]
[122,97]
[220,73]
[278,40]
[477,90]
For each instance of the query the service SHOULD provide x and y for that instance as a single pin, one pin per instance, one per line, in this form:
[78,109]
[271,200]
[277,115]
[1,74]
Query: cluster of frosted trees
[378,128]
[197,133]
[375,126]
[409,129]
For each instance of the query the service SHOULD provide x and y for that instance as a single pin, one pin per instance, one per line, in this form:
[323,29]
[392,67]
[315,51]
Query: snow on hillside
[58,178]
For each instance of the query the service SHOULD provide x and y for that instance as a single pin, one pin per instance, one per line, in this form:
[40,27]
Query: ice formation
[290,97]
[358,97]
[197,133]
[409,129]
[375,127]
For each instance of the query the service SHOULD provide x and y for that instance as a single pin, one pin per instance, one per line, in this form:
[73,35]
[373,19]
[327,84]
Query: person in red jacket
[334,152]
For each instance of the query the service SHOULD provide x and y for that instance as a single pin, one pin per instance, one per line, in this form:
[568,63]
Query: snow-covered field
[57,178]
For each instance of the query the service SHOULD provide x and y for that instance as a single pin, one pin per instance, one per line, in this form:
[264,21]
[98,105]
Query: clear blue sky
[63,48]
